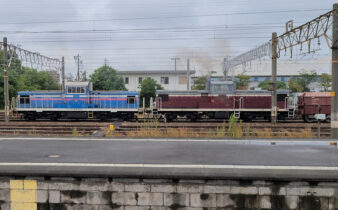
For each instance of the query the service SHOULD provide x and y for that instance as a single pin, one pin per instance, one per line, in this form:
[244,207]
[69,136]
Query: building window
[126,80]
[131,100]
[140,80]
[165,80]
[182,80]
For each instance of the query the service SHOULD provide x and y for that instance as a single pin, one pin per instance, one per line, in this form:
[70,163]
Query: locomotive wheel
[170,117]
[308,119]
[30,117]
[54,118]
[103,118]
[192,118]
[328,119]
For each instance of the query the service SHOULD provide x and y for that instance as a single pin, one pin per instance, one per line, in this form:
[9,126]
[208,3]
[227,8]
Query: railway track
[322,130]
[19,127]
[48,128]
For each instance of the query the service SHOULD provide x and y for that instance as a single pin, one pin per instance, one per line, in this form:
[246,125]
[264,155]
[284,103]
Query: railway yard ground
[155,129]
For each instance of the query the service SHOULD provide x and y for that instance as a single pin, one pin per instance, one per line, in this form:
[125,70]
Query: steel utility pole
[274,78]
[188,74]
[225,70]
[63,74]
[78,62]
[334,99]
[78,67]
[175,60]
[6,92]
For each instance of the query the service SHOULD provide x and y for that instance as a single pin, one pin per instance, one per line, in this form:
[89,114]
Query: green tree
[21,78]
[32,79]
[266,85]
[301,83]
[148,89]
[242,80]
[106,78]
[294,86]
[14,73]
[325,81]
[199,83]
[83,76]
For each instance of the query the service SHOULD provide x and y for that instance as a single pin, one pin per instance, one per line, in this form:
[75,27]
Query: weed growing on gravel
[74,132]
[233,129]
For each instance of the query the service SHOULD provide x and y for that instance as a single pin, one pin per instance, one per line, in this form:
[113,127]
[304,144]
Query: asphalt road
[169,158]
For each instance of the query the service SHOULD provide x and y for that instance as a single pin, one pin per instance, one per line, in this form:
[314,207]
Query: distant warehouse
[169,80]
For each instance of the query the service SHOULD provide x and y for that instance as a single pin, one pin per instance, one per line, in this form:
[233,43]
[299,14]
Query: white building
[169,80]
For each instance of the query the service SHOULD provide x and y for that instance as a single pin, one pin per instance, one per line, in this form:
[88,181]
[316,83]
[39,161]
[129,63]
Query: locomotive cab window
[164,97]
[131,100]
[281,97]
[76,90]
[24,99]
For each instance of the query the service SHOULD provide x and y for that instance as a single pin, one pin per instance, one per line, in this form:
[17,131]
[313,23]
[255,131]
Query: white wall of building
[175,81]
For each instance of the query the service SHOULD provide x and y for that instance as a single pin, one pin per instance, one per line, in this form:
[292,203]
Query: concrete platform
[169,158]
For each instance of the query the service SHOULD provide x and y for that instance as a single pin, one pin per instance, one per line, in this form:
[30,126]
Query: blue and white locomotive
[78,101]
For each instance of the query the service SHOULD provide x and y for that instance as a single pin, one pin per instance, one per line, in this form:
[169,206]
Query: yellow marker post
[23,194]
[333,94]
[111,127]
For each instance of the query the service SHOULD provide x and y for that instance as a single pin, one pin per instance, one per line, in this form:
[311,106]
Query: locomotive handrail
[160,102]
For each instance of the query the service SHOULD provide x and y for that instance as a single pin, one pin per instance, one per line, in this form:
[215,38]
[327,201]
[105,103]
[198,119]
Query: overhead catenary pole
[334,99]
[225,70]
[6,92]
[188,74]
[274,78]
[63,75]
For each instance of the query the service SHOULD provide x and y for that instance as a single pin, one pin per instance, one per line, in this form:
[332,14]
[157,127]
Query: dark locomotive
[220,102]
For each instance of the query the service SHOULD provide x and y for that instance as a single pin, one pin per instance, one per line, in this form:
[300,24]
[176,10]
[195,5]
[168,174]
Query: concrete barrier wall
[129,194]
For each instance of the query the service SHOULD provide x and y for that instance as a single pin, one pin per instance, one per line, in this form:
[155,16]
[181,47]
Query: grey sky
[144,35]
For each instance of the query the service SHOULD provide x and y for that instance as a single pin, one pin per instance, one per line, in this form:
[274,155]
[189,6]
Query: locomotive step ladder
[90,115]
[291,112]
[237,114]
[237,110]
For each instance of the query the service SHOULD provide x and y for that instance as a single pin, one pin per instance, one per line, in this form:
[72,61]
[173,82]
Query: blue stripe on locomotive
[92,100]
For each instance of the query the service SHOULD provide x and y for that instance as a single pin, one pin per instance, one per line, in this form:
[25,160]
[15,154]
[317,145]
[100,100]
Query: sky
[146,35]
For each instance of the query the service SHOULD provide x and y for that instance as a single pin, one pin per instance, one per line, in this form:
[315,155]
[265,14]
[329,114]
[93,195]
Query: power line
[150,39]
[165,17]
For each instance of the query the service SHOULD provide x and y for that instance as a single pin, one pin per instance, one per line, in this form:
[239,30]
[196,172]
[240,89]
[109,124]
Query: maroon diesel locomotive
[220,102]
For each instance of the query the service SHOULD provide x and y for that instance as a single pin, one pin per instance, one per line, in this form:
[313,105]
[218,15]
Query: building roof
[77,83]
[159,72]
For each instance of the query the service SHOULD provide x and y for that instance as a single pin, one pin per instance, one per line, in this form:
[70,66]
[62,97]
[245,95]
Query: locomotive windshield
[222,87]
[78,87]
